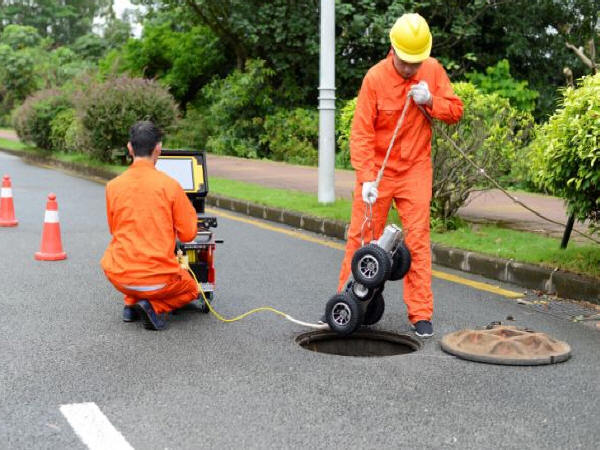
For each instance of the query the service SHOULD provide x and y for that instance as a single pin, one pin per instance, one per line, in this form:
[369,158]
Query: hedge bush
[109,109]
[344,120]
[566,151]
[293,136]
[59,126]
[237,107]
[492,133]
[191,131]
[32,120]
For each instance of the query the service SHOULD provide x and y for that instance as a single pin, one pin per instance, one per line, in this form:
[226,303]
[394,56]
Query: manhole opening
[364,343]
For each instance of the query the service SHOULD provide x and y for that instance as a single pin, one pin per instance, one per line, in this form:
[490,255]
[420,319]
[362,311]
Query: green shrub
[342,159]
[492,133]
[293,136]
[109,109]
[76,138]
[59,126]
[32,120]
[20,36]
[237,107]
[191,131]
[566,151]
[498,80]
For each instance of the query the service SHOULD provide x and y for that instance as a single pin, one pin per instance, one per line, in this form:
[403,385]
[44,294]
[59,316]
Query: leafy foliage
[492,134]
[468,36]
[17,77]
[18,37]
[181,59]
[90,46]
[498,80]
[342,159]
[63,21]
[109,109]
[293,136]
[191,131]
[566,150]
[32,120]
[59,127]
[238,105]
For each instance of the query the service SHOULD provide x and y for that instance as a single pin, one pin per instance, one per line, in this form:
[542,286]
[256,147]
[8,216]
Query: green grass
[13,145]
[280,198]
[524,246]
[80,158]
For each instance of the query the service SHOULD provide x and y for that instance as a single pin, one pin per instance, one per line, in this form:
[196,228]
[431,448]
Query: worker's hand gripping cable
[183,261]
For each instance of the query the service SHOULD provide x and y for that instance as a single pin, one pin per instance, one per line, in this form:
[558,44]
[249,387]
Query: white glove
[369,192]
[420,93]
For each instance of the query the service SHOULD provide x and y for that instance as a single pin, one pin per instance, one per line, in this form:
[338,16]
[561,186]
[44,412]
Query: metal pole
[327,104]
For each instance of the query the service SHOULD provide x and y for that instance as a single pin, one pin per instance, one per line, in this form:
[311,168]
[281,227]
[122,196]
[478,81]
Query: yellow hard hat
[411,38]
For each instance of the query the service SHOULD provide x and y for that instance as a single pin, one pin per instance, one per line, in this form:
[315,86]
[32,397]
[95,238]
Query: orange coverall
[407,179]
[146,209]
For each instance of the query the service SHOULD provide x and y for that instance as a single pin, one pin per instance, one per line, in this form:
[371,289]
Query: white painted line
[93,428]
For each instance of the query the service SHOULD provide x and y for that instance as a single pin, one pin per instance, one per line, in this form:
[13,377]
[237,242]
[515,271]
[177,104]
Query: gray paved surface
[203,384]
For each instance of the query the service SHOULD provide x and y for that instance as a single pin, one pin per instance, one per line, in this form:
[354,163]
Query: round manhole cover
[366,343]
[506,345]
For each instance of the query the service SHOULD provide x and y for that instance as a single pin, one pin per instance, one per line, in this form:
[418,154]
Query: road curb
[530,276]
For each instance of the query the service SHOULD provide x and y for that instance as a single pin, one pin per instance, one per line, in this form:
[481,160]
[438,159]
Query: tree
[497,79]
[90,46]
[62,21]
[181,58]
[566,150]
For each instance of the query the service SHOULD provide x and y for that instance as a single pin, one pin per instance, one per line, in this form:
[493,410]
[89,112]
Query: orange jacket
[146,209]
[380,102]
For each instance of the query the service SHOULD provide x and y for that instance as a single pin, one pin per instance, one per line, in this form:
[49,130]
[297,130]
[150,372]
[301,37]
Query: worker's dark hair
[144,136]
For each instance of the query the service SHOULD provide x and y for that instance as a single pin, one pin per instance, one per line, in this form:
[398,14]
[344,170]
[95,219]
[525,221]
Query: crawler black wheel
[343,314]
[401,263]
[202,304]
[371,265]
[374,311]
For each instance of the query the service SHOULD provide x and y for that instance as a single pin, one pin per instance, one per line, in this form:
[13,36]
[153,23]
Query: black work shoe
[130,314]
[151,320]
[423,328]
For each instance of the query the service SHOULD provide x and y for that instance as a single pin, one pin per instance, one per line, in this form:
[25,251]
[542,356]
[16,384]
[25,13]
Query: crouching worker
[146,210]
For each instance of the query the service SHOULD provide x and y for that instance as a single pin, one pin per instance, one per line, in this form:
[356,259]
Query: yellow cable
[215,313]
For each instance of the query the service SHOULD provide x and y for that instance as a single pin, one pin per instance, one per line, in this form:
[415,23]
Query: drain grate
[363,343]
[563,309]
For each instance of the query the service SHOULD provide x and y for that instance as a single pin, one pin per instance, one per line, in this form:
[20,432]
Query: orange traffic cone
[7,209]
[51,248]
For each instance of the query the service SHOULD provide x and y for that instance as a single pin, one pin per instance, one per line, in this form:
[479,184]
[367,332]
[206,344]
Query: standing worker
[146,210]
[407,179]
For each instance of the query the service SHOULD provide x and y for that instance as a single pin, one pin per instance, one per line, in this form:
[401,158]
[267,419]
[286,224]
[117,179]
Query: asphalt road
[204,384]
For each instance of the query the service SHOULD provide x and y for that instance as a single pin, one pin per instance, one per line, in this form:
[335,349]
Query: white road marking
[93,428]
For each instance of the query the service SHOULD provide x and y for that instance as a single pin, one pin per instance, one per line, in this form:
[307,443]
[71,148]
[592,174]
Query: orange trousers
[411,192]
[178,291]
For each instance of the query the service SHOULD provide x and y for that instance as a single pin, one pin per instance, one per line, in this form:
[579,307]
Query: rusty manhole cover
[366,343]
[506,345]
